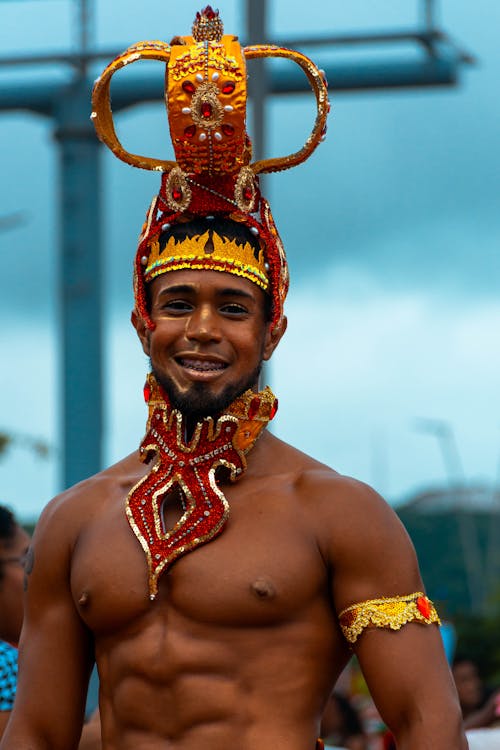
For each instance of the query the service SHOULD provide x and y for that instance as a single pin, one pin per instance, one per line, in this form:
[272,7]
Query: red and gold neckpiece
[190,467]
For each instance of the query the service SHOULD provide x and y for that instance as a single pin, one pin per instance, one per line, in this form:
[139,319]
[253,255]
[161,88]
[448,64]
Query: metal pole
[80,287]
[258,89]
[257,83]
[429,16]
[84,18]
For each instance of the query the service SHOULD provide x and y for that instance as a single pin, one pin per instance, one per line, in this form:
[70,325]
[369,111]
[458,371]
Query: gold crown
[208,251]
[206,95]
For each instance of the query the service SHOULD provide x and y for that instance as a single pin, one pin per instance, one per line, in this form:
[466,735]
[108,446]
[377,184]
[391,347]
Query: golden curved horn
[319,87]
[102,114]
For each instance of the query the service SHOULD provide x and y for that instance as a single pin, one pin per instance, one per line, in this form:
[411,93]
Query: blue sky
[392,231]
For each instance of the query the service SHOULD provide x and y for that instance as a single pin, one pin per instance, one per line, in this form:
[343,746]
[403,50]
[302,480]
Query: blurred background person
[480,707]
[14,543]
[341,725]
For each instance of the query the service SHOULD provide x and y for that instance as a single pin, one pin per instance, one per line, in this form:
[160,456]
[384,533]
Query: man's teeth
[202,365]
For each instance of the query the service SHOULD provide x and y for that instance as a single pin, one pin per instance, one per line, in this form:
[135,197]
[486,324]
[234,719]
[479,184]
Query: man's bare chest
[263,569]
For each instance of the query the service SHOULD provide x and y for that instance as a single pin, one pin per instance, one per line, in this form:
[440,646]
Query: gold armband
[387,612]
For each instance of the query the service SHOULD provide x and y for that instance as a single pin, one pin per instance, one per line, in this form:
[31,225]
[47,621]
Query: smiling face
[210,339]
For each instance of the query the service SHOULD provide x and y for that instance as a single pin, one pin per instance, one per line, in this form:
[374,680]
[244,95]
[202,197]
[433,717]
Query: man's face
[210,338]
[12,553]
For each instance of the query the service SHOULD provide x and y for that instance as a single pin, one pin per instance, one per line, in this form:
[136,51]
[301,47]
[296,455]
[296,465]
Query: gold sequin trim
[387,612]
[193,252]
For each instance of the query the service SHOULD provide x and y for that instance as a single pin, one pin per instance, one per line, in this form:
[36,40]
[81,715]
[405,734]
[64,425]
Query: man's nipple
[263,588]
[84,599]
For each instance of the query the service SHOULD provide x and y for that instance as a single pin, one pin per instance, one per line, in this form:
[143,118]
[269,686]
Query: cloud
[368,362]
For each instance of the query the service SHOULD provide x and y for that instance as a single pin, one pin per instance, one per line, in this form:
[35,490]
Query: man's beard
[197,402]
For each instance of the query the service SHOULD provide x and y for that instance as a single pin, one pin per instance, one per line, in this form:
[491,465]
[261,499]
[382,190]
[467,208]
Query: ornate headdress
[206,94]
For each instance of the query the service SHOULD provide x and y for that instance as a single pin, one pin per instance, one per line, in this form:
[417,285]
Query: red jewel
[206,110]
[424,607]
[177,194]
[189,87]
[274,409]
[147,391]
[209,13]
[227,129]
[254,407]
[247,194]
[190,131]
[228,87]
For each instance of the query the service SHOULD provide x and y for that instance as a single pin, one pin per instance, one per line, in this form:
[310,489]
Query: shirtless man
[218,576]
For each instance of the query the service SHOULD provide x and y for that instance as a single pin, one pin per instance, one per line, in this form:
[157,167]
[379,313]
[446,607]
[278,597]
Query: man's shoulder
[355,529]
[121,473]
[76,503]
[284,456]
[318,480]
[336,501]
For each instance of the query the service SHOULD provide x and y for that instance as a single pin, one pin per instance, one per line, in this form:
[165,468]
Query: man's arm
[55,652]
[409,680]
[406,671]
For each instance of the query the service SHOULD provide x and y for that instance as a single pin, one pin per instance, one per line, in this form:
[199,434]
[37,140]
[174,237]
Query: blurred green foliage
[38,446]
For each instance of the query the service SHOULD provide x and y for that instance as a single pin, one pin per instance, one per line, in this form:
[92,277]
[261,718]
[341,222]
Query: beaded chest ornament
[190,466]
[205,96]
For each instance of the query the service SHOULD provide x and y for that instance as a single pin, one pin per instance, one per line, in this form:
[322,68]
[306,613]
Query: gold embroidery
[226,255]
[387,612]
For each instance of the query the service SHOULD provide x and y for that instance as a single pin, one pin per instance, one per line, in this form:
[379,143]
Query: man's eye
[234,309]
[177,305]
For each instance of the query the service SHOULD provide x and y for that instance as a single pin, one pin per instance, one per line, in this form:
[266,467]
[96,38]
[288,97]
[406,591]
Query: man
[218,576]
[479,708]
[14,542]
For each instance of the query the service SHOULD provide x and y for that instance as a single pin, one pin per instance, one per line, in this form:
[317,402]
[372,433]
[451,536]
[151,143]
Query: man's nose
[203,324]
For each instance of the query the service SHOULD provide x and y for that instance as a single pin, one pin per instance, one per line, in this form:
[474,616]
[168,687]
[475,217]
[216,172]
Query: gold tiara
[191,252]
